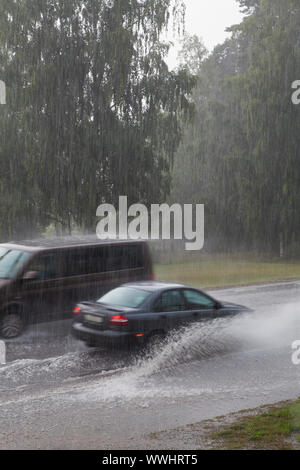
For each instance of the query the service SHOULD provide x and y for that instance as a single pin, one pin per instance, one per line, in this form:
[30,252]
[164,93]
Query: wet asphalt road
[57,394]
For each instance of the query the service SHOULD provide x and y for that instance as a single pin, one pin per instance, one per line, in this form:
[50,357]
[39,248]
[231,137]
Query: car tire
[12,325]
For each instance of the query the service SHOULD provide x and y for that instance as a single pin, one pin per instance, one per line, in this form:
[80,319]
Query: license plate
[93,319]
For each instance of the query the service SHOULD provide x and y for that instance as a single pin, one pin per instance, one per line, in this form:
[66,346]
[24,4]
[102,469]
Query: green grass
[226,271]
[274,429]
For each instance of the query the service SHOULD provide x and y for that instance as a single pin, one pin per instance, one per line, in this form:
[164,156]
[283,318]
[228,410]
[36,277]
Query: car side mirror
[218,306]
[31,276]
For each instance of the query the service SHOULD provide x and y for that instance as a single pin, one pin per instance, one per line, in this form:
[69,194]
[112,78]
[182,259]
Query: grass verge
[277,428]
[225,271]
[268,427]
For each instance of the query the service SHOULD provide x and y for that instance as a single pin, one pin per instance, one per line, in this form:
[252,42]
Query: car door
[201,306]
[42,295]
[85,276]
[170,309]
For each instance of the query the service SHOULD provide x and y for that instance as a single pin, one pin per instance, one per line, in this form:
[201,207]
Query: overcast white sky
[208,19]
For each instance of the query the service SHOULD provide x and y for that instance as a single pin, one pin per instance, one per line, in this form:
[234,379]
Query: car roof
[154,286]
[41,244]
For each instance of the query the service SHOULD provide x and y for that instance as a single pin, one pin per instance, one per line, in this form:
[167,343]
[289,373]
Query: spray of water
[167,369]
[157,373]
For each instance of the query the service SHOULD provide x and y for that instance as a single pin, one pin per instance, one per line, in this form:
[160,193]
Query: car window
[170,301]
[93,260]
[124,257]
[80,261]
[46,265]
[196,299]
[125,297]
[11,261]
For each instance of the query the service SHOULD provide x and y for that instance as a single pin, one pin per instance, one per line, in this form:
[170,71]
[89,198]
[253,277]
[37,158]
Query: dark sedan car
[142,310]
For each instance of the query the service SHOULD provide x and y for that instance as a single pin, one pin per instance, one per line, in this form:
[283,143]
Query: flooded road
[79,398]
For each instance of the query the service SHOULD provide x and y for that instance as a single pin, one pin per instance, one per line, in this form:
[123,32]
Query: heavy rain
[114,336]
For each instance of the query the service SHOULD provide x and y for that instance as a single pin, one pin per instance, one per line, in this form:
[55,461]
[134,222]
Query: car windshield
[11,261]
[125,297]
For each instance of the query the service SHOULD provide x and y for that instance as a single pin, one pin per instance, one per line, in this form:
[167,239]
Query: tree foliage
[241,155]
[92,108]
[191,54]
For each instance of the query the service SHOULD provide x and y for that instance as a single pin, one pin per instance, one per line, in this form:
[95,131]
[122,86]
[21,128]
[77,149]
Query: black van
[41,280]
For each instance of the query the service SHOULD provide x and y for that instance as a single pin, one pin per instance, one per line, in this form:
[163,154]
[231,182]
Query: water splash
[170,369]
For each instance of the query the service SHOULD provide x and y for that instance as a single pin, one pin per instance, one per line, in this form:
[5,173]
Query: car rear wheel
[12,325]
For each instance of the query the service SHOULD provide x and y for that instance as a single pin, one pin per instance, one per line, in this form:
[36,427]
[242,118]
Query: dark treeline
[92,109]
[241,156]
[93,113]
